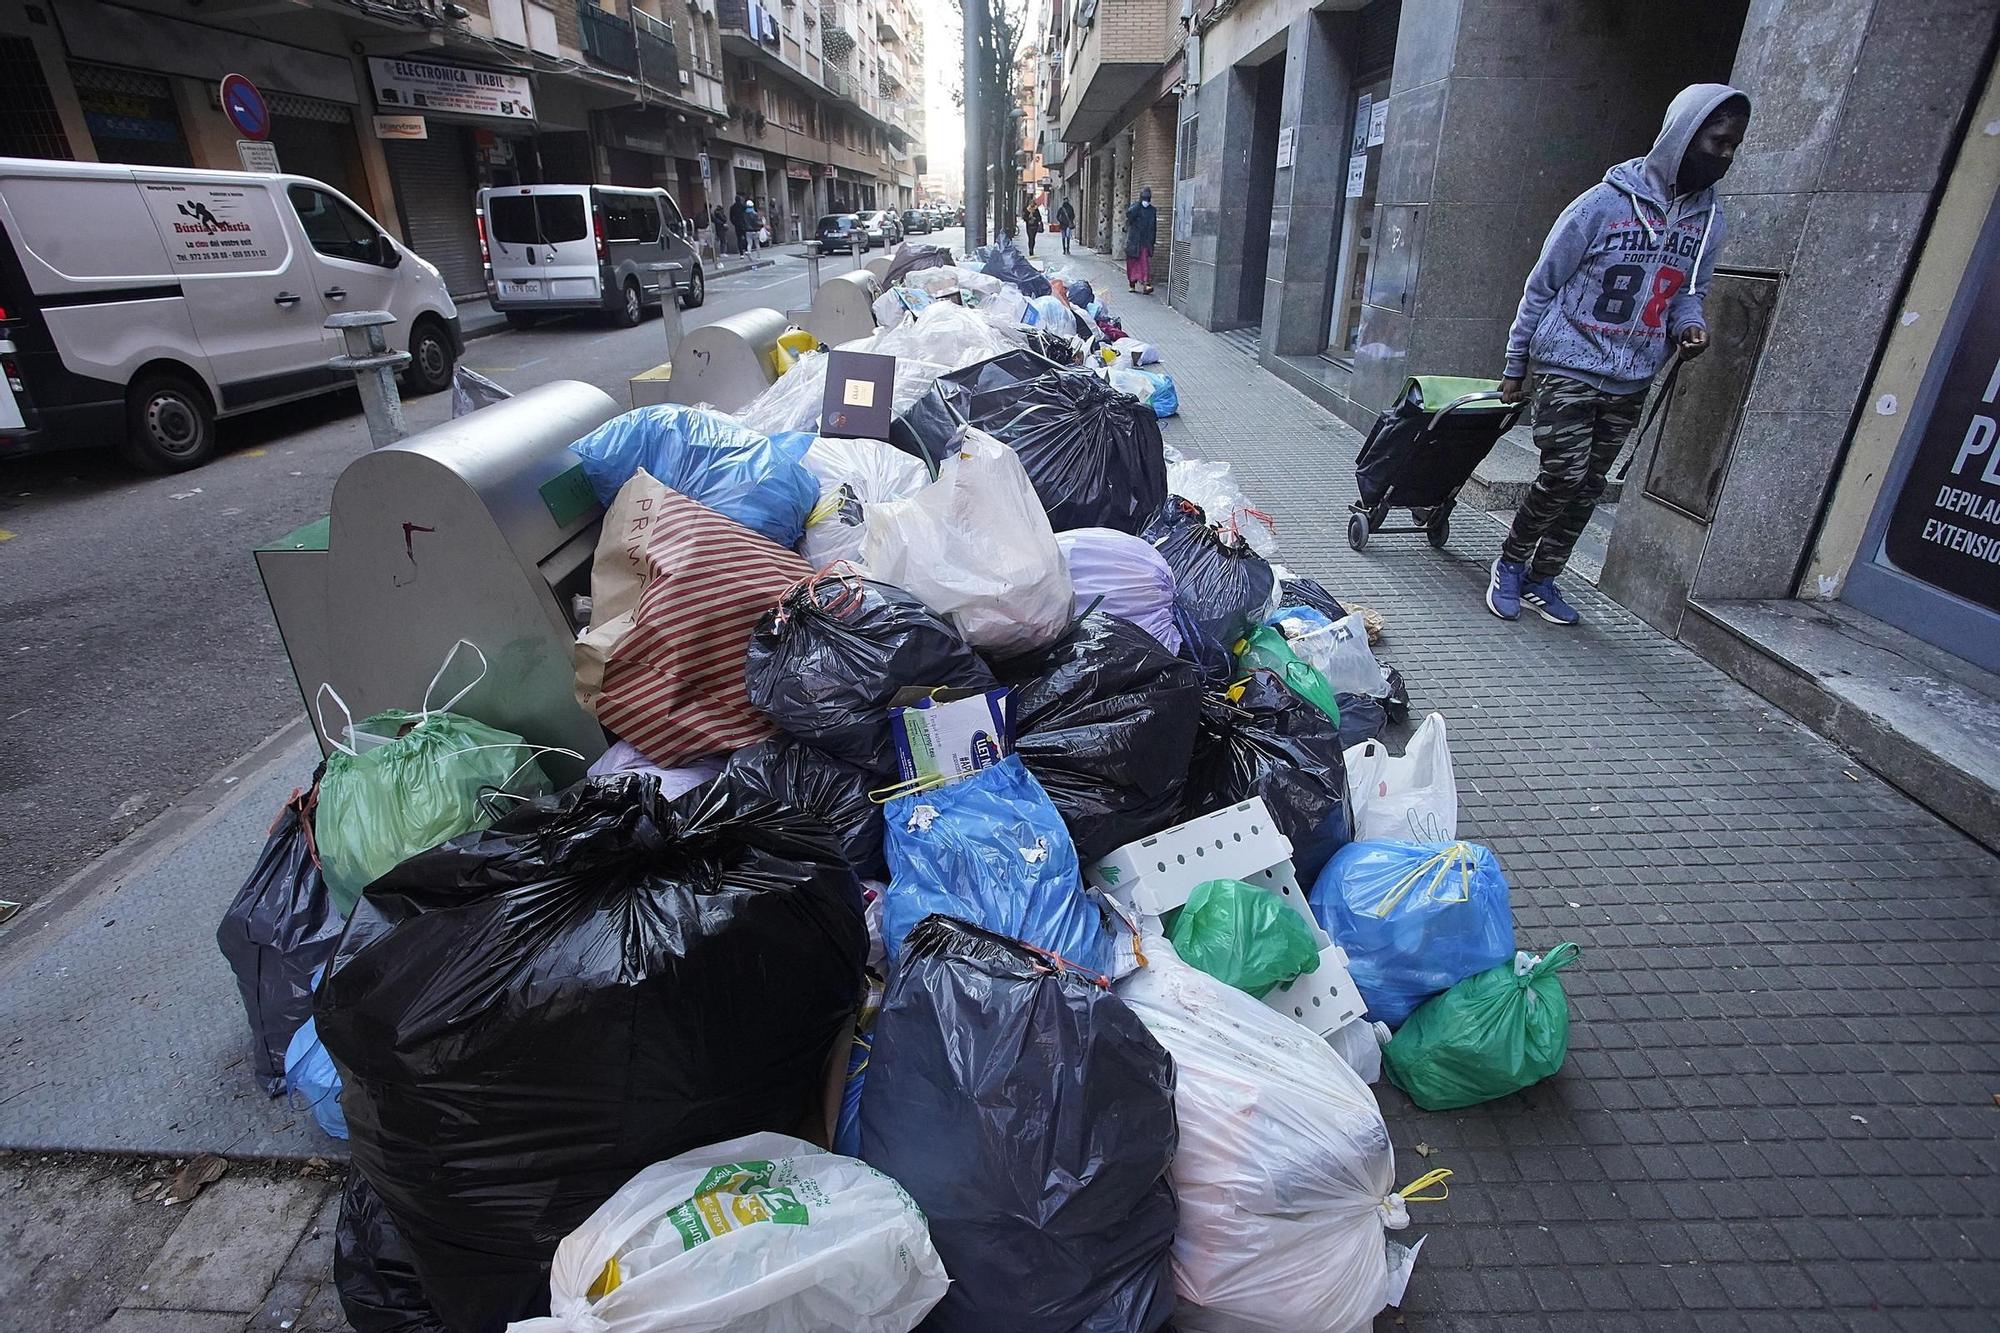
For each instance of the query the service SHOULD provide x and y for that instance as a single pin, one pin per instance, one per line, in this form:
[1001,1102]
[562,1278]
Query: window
[334,228]
[630,217]
[1190,143]
[532,219]
[675,222]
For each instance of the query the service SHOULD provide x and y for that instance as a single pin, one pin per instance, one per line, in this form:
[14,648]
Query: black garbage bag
[1221,586]
[1081,293]
[795,774]
[930,428]
[279,928]
[912,257]
[1271,743]
[1093,454]
[1004,260]
[824,664]
[1361,719]
[1395,700]
[373,1269]
[1104,718]
[1308,592]
[530,1014]
[1031,1116]
[1062,346]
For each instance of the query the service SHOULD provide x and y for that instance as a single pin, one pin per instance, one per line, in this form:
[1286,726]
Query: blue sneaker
[1544,596]
[1503,591]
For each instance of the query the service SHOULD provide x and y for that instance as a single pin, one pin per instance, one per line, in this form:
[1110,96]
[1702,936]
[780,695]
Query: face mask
[1700,170]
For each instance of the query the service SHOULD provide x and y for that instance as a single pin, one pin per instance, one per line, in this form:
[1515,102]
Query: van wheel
[633,309]
[697,291]
[522,319]
[431,358]
[169,423]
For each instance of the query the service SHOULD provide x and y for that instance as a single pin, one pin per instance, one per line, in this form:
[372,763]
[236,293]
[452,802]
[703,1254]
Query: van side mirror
[387,253]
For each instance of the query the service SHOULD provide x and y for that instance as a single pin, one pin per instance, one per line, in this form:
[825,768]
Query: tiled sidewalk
[1779,1109]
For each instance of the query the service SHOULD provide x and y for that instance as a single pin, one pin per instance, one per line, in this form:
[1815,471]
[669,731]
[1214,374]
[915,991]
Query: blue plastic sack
[707,457]
[1415,918]
[311,1077]
[1166,398]
[990,848]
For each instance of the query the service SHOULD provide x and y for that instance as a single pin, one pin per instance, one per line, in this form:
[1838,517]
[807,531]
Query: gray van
[555,248]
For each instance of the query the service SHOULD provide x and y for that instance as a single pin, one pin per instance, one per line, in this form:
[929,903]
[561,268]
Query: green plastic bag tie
[1244,936]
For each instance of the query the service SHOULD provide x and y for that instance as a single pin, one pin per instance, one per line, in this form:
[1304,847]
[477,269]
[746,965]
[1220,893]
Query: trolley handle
[1491,395]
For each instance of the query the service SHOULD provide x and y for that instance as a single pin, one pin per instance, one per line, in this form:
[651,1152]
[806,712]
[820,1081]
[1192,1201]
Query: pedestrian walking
[753,227]
[739,223]
[1033,219]
[1619,284]
[1142,229]
[1065,222]
[720,221]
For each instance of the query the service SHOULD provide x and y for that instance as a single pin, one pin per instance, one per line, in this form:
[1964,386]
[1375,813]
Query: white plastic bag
[975,547]
[1005,307]
[1284,1173]
[794,401]
[763,1234]
[1135,352]
[624,757]
[1360,1043]
[944,334]
[1411,798]
[1134,581]
[853,474]
[1341,654]
[1211,486]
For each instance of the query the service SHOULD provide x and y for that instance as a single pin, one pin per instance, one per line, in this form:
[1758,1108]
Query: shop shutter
[1376,51]
[436,196]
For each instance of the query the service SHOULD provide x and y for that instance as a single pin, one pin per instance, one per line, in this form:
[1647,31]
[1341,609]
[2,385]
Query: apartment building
[410,106]
[1116,68]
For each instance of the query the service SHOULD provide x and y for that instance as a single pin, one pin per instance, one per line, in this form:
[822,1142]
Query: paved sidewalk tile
[228,1249]
[1779,1106]
[172,1321]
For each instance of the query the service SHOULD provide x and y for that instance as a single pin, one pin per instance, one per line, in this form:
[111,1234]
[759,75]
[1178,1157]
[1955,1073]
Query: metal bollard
[670,305]
[374,369]
[812,269]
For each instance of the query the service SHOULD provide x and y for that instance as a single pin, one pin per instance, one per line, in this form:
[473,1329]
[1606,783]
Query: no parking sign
[245,107]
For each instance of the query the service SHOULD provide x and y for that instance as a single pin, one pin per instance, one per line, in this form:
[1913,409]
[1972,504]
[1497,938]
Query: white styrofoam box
[1155,875]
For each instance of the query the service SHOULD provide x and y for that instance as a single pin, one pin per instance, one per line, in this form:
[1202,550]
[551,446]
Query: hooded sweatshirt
[1626,266]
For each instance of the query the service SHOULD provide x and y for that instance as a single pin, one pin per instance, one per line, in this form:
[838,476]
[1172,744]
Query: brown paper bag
[619,573]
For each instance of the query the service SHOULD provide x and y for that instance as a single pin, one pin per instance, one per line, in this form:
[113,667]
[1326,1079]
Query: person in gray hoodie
[1618,287]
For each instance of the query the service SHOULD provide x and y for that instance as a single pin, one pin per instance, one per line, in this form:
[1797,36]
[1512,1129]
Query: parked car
[552,248]
[841,231]
[138,305]
[916,222]
[881,226]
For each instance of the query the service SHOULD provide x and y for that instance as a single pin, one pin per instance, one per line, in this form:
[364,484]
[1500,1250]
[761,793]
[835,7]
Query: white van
[553,248]
[139,304]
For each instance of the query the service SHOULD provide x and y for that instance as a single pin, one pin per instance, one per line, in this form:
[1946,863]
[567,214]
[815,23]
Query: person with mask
[1142,229]
[1618,287]
[1066,222]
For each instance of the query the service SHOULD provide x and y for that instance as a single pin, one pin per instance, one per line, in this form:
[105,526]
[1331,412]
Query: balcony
[1110,61]
[659,54]
[888,27]
[749,29]
[607,39]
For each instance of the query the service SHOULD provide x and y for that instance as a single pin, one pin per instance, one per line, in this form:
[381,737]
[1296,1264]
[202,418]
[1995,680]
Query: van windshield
[536,219]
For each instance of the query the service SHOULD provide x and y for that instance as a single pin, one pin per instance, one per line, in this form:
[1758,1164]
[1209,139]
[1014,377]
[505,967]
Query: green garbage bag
[1245,936]
[1266,649]
[436,777]
[1495,1032]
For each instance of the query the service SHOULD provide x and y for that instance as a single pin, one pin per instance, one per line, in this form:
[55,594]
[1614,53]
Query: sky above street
[944,59]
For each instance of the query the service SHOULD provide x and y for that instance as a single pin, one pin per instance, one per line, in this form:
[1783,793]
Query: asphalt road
[138,655]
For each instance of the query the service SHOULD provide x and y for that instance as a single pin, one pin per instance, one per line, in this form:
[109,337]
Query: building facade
[1366,186]
[1116,73]
[410,106]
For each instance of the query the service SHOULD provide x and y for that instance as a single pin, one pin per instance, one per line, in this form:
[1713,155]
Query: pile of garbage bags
[820,1002]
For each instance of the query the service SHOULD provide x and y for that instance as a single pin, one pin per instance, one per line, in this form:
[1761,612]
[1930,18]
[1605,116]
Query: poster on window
[1363,110]
[1378,124]
[1945,528]
[1357,175]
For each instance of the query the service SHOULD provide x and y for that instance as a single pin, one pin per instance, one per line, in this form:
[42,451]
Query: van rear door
[542,244]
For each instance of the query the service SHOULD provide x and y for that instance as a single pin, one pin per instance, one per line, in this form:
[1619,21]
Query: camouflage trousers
[1579,431]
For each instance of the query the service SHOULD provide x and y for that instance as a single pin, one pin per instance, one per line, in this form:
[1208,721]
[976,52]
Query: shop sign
[744,160]
[402,127]
[827,171]
[798,171]
[424,85]
[1945,528]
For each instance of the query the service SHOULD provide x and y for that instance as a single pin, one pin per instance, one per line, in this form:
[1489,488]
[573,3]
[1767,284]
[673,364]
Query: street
[140,653]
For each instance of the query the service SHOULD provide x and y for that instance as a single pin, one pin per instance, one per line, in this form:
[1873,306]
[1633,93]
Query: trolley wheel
[1438,529]
[1357,531]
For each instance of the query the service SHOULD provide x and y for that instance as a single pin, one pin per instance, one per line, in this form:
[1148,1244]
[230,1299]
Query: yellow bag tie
[884,795]
[1457,856]
[1408,1194]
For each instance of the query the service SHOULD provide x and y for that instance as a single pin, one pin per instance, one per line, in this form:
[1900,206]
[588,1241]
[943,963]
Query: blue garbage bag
[311,1077]
[1415,918]
[736,471]
[990,848]
[1166,398]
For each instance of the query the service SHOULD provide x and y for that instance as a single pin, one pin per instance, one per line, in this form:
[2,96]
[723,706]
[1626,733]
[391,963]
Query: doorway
[1267,89]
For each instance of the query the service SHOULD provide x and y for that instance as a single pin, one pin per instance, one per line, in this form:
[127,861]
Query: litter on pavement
[988,904]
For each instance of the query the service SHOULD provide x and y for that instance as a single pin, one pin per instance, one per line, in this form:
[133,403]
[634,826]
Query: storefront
[446,131]
[749,170]
[799,194]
